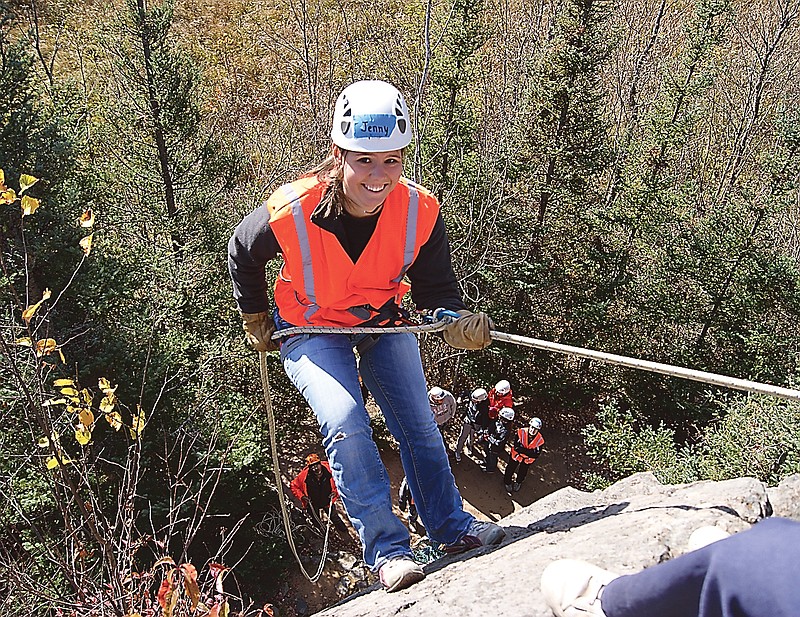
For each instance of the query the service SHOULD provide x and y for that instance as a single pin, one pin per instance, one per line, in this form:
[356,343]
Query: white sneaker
[572,588]
[703,536]
[458,457]
[400,572]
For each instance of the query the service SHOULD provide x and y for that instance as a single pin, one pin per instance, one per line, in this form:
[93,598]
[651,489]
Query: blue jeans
[323,368]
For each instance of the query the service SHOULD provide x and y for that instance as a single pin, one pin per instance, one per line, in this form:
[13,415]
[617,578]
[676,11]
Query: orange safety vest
[318,283]
[525,439]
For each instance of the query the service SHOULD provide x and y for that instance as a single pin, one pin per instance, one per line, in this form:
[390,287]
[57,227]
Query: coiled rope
[443,319]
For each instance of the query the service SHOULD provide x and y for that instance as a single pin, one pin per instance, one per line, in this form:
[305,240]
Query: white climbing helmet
[436,394]
[507,413]
[371,116]
[479,394]
[536,424]
[502,387]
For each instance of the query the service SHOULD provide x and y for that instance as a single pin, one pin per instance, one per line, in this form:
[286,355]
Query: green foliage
[629,445]
[754,436]
[751,436]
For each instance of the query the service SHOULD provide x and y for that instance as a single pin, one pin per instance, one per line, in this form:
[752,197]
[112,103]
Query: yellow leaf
[115,420]
[26,182]
[106,387]
[164,561]
[86,396]
[137,425]
[70,392]
[86,417]
[29,312]
[43,442]
[73,409]
[28,205]
[83,435]
[8,196]
[87,218]
[3,186]
[63,382]
[45,346]
[25,341]
[61,355]
[55,401]
[52,463]
[107,404]
[86,244]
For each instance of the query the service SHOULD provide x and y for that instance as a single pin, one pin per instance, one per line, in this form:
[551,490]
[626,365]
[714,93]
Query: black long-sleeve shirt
[253,244]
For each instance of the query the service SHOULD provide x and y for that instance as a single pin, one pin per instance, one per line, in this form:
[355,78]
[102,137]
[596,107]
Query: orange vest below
[319,284]
[525,439]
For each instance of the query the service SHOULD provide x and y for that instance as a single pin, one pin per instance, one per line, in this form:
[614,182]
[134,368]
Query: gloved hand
[470,331]
[258,328]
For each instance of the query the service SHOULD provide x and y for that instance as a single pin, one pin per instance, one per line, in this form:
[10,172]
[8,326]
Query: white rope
[653,367]
[428,327]
[643,365]
[279,482]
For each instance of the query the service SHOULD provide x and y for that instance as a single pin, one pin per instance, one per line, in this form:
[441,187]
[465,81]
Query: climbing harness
[440,319]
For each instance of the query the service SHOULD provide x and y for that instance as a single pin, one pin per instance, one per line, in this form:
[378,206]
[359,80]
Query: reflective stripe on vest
[411,231]
[524,438]
[319,284]
[305,248]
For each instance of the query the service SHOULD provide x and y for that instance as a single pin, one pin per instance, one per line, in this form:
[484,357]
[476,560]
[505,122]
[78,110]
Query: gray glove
[258,329]
[470,331]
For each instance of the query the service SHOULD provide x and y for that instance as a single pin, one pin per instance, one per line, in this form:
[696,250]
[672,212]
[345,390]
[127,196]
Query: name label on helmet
[373,125]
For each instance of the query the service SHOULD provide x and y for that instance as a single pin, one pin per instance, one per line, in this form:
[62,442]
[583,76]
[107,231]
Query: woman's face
[368,178]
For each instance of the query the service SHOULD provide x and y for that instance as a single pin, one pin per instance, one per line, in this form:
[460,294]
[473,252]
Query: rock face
[636,523]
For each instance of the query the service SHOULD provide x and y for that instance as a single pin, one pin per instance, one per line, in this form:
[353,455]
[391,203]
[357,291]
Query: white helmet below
[479,394]
[502,387]
[507,413]
[436,393]
[371,116]
[536,424]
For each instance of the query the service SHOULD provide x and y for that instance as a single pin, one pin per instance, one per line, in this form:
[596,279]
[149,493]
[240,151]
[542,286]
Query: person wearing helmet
[443,406]
[315,490]
[354,236]
[476,412]
[500,396]
[406,502]
[499,430]
[525,449]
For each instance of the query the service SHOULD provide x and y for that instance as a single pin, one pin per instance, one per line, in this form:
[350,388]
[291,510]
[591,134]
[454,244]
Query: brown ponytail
[330,171]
